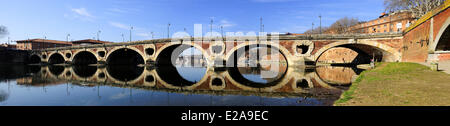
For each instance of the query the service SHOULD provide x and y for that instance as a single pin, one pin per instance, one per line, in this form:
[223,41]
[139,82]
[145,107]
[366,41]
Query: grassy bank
[398,84]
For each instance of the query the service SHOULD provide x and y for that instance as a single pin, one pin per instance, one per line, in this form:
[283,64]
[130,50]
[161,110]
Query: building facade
[89,42]
[34,44]
[393,22]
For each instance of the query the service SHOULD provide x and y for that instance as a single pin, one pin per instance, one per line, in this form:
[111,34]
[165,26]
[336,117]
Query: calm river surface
[181,85]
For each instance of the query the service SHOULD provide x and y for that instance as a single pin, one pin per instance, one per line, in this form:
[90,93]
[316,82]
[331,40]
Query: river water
[181,85]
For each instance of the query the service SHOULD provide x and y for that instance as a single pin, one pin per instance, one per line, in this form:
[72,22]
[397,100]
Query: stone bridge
[296,49]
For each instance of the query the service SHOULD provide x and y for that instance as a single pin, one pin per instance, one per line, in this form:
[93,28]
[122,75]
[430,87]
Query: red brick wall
[416,44]
[338,55]
[445,56]
[439,20]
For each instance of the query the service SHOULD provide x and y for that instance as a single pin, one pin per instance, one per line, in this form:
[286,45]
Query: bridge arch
[84,58]
[34,59]
[285,52]
[442,40]
[173,47]
[389,54]
[56,58]
[125,56]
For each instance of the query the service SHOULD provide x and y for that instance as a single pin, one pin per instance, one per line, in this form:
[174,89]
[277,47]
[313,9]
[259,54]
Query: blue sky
[83,18]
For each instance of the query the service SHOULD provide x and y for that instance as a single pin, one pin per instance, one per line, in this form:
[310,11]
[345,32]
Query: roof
[91,41]
[45,41]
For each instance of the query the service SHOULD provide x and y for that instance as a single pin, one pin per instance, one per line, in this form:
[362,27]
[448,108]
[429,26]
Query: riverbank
[398,84]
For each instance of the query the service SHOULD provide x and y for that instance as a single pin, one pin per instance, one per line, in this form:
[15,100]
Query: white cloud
[226,23]
[120,25]
[81,14]
[143,34]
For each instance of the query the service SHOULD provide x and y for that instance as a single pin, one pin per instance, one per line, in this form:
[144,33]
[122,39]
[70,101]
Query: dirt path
[399,84]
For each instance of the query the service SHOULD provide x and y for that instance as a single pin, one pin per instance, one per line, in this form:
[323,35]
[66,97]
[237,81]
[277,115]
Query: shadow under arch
[84,58]
[125,56]
[236,75]
[168,72]
[84,71]
[443,44]
[34,59]
[367,48]
[56,70]
[56,58]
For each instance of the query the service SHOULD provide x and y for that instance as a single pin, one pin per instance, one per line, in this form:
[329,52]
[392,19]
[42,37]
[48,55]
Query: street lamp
[130,32]
[320,27]
[123,38]
[98,35]
[67,37]
[152,34]
[168,30]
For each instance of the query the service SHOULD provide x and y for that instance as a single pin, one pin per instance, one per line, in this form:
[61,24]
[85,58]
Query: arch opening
[444,42]
[302,83]
[257,66]
[354,54]
[84,58]
[56,70]
[56,58]
[125,56]
[125,73]
[34,59]
[181,65]
[217,82]
[84,71]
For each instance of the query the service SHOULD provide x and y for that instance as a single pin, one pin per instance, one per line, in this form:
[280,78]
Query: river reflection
[171,85]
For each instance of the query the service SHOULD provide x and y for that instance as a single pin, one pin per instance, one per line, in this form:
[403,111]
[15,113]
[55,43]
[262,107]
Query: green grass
[380,74]
[347,95]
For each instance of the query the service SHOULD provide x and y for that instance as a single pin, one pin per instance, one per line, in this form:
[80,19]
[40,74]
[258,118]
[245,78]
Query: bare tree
[341,26]
[3,31]
[417,7]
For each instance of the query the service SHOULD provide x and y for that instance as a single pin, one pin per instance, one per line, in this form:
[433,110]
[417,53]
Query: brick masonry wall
[416,44]
[338,55]
[444,56]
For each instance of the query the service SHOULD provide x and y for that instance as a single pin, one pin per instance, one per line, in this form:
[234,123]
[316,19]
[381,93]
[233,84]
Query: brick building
[89,42]
[33,44]
[393,22]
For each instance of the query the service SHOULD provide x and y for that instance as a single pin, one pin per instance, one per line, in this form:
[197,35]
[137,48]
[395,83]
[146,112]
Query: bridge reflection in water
[178,85]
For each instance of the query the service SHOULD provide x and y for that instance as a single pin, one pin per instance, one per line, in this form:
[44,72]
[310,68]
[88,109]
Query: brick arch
[394,54]
[55,53]
[78,52]
[109,52]
[446,25]
[285,52]
[205,53]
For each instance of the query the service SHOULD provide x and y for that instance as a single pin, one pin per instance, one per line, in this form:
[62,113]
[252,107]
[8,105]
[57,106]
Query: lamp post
[98,35]
[67,37]
[168,30]
[123,38]
[320,26]
[130,32]
[211,25]
[152,34]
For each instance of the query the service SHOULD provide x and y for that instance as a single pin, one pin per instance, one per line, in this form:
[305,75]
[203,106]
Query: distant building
[33,44]
[10,46]
[393,22]
[89,42]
